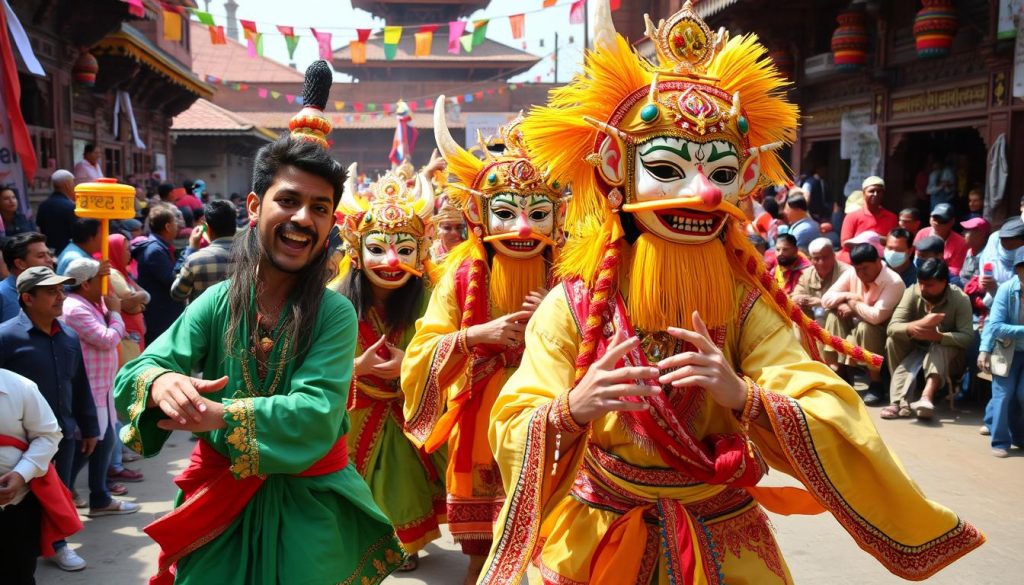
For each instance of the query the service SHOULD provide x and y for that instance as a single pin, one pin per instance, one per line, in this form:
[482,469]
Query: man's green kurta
[311,530]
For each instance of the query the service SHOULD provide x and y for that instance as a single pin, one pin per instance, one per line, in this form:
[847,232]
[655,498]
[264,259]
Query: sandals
[411,563]
[893,411]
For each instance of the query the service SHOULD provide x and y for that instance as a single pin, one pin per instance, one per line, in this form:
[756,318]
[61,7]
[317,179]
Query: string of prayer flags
[455,30]
[479,32]
[392,34]
[290,39]
[518,24]
[323,39]
[576,11]
[358,51]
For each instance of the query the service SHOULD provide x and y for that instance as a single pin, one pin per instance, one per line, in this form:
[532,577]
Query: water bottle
[987,270]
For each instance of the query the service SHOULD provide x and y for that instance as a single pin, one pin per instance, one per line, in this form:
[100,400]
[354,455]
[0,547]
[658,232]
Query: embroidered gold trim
[240,415]
[131,438]
[142,384]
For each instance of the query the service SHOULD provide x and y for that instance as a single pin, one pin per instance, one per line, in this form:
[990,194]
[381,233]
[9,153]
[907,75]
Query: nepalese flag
[405,135]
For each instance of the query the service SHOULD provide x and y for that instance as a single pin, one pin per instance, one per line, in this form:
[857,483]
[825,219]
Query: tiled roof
[231,62]
[421,120]
[204,117]
[489,52]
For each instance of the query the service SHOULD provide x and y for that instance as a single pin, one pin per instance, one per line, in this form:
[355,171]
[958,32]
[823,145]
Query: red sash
[213,499]
[60,518]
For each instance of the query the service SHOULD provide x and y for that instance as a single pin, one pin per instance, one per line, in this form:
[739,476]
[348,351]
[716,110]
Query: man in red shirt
[941,225]
[871,217]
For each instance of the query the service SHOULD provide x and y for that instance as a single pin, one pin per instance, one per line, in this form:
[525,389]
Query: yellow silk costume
[668,494]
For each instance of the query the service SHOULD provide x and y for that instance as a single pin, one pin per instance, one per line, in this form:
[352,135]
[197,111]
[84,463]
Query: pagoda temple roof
[208,119]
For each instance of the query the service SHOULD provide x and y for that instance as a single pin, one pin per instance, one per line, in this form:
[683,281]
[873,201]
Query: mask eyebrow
[683,154]
[715,155]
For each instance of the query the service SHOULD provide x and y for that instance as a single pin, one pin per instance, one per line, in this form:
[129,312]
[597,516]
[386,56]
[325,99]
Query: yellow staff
[105,199]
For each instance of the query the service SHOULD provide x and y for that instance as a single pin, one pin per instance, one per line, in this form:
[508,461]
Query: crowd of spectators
[69,321]
[940,301]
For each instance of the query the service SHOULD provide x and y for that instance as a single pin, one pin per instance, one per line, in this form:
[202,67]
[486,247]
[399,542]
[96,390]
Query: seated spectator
[910,220]
[14,222]
[868,237]
[198,270]
[933,247]
[56,214]
[97,321]
[1005,411]
[900,256]
[85,241]
[20,253]
[156,260]
[790,263]
[801,225]
[29,436]
[976,233]
[859,306]
[873,217]
[941,224]
[813,284]
[88,169]
[975,204]
[929,334]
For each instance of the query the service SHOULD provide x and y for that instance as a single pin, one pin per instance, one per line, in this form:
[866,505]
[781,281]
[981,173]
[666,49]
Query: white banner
[860,145]
[11,172]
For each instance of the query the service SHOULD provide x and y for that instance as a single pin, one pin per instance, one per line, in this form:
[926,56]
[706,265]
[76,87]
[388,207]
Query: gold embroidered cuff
[243,447]
[142,384]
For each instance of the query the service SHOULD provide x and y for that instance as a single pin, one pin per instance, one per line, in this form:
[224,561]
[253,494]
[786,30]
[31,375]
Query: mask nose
[708,193]
[392,257]
[523,227]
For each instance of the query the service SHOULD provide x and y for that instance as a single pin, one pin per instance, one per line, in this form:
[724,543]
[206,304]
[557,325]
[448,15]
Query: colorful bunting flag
[428,104]
[423,42]
[518,24]
[250,29]
[204,17]
[339,105]
[468,98]
[172,26]
[455,30]
[363,34]
[576,11]
[290,98]
[614,5]
[217,35]
[323,39]
[358,106]
[549,3]
[135,8]
[254,44]
[392,34]
[479,32]
[262,92]
[467,42]
[290,39]
[275,94]
[358,52]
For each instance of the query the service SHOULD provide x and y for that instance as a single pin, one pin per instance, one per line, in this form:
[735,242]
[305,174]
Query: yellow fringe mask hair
[514,278]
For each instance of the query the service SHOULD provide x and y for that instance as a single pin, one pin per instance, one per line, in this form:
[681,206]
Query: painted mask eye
[724,175]
[539,215]
[664,172]
[374,249]
[504,214]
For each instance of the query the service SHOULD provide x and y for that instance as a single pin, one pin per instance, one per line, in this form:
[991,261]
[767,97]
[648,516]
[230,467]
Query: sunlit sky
[341,19]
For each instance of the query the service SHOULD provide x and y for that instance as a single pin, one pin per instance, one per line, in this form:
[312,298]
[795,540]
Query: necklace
[264,330]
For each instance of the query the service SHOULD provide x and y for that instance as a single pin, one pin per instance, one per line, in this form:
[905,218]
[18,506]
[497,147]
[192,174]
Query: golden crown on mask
[512,171]
[392,207]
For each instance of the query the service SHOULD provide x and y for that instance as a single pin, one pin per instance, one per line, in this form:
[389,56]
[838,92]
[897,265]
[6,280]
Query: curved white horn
[604,28]
[348,196]
[425,193]
[445,143]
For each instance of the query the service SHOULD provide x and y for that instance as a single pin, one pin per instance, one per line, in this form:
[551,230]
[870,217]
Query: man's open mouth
[294,240]
[690,223]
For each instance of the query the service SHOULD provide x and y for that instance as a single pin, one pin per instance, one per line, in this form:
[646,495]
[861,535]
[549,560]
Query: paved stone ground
[948,459]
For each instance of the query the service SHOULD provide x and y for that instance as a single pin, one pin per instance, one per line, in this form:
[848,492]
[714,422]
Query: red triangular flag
[364,34]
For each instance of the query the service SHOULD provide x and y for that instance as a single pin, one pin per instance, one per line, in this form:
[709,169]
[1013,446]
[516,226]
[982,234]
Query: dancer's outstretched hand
[179,397]
[604,386]
[706,367]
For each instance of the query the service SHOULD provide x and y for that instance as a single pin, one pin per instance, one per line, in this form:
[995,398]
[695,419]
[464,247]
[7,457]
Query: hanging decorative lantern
[934,28]
[783,60]
[85,68]
[850,41]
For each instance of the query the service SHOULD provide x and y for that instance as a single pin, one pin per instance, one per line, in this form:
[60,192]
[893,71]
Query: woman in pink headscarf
[133,298]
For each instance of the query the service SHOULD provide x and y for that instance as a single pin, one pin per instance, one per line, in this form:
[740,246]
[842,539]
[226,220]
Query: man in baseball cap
[40,276]
[940,224]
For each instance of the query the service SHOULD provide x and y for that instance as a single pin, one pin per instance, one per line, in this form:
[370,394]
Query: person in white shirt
[88,169]
[25,418]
